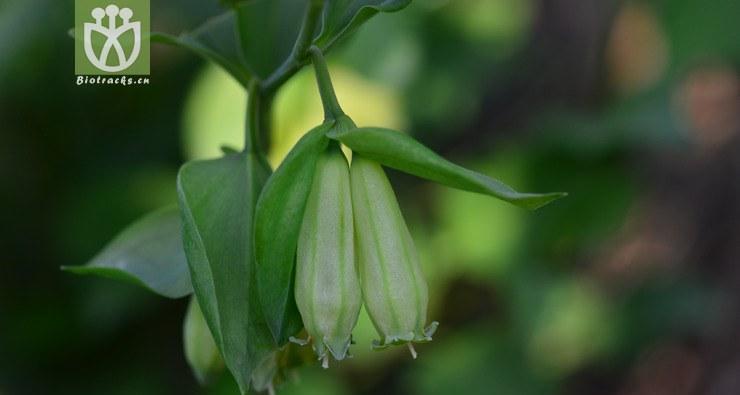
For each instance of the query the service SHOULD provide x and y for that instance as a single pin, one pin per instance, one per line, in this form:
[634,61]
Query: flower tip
[339,349]
[429,330]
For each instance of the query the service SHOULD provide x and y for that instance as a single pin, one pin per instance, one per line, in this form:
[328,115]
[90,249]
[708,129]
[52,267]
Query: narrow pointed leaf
[342,17]
[401,152]
[277,226]
[149,253]
[217,200]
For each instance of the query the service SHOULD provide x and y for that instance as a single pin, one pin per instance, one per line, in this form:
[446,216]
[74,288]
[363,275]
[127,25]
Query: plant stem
[259,110]
[297,58]
[332,109]
[261,93]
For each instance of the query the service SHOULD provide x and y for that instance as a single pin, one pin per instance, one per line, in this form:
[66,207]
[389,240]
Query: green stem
[259,110]
[332,109]
[297,58]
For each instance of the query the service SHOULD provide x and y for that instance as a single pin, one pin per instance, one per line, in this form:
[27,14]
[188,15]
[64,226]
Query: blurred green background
[631,285]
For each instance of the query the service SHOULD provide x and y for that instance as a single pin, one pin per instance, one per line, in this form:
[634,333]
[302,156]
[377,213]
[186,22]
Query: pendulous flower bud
[201,351]
[393,286]
[327,288]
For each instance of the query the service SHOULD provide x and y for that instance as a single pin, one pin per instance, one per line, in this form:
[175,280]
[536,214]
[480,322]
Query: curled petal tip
[431,329]
[378,345]
[300,342]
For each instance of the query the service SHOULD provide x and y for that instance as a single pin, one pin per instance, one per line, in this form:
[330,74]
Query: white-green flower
[201,351]
[327,288]
[393,286]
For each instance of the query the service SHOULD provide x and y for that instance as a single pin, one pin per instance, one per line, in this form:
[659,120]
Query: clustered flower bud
[354,247]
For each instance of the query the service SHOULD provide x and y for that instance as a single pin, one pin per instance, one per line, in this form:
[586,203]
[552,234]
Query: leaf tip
[75,269]
[539,201]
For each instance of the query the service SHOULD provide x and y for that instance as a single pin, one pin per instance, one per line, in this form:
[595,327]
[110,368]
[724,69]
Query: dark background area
[631,285]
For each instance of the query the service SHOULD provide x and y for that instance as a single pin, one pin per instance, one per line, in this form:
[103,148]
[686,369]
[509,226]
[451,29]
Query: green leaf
[255,39]
[250,40]
[399,151]
[267,30]
[215,40]
[277,225]
[342,17]
[231,3]
[217,199]
[149,253]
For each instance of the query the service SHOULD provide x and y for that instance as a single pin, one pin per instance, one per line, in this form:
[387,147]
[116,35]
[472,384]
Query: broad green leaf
[342,17]
[399,151]
[149,253]
[267,30]
[253,39]
[217,199]
[277,225]
[215,40]
[201,351]
[250,40]
[231,3]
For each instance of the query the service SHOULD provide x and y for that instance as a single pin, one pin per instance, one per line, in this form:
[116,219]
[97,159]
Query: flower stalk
[332,109]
